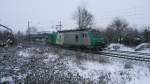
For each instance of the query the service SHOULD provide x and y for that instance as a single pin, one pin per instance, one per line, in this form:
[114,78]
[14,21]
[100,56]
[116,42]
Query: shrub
[128,65]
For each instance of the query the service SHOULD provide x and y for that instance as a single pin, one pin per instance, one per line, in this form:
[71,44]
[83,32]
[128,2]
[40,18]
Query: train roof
[75,30]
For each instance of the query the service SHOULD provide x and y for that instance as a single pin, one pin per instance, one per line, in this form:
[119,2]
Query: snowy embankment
[54,66]
[117,46]
[143,48]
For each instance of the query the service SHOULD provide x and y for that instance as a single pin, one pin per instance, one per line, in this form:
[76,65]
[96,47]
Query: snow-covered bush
[128,65]
[103,59]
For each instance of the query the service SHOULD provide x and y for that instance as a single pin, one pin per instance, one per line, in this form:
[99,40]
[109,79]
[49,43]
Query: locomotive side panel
[72,38]
[81,38]
[52,38]
[86,39]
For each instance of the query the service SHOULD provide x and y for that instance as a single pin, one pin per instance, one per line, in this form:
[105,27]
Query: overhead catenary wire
[124,16]
[128,10]
[137,12]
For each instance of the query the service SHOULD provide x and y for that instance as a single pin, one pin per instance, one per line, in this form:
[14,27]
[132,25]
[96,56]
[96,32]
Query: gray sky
[43,14]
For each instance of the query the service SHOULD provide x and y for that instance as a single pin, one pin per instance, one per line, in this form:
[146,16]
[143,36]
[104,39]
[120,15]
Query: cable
[125,16]
[128,9]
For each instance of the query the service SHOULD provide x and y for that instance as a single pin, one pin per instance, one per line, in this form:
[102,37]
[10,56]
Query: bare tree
[109,34]
[83,18]
[118,29]
[132,37]
[146,34]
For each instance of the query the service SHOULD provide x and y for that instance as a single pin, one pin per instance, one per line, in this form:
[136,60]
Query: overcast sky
[44,14]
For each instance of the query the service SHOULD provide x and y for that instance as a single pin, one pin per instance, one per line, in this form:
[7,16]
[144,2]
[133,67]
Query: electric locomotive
[79,38]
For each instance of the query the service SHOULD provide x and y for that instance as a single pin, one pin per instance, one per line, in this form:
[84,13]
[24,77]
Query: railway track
[138,56]
[129,52]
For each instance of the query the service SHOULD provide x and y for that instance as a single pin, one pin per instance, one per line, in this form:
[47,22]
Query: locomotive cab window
[77,38]
[84,35]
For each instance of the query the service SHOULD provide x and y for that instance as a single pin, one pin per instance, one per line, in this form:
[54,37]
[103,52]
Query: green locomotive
[79,38]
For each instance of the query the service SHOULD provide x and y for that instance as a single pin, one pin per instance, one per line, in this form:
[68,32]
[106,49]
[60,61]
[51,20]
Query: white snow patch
[51,57]
[143,47]
[115,71]
[142,75]
[145,51]
[117,46]
[9,80]
[90,69]
[24,53]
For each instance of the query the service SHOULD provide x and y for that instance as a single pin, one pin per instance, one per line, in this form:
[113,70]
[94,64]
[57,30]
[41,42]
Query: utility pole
[59,26]
[28,30]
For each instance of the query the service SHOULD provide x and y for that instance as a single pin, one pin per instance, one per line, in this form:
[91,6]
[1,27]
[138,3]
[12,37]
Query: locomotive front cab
[52,38]
[97,39]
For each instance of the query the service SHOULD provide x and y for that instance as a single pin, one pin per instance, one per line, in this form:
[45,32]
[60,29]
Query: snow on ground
[90,69]
[113,73]
[51,57]
[7,80]
[142,75]
[144,51]
[117,46]
[31,62]
[24,53]
[143,47]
